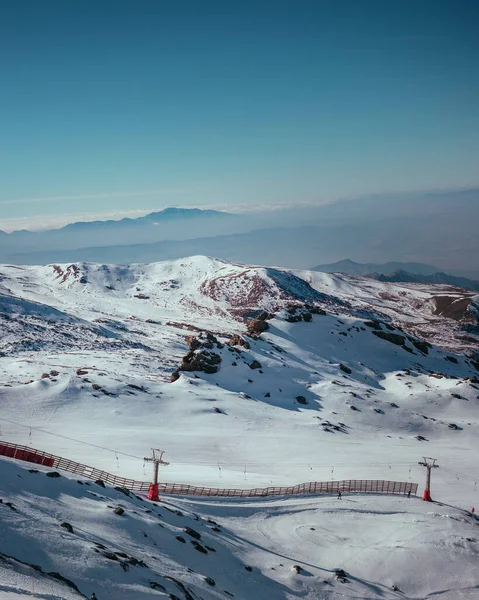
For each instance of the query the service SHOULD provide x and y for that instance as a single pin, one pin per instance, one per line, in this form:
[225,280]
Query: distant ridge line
[39,457]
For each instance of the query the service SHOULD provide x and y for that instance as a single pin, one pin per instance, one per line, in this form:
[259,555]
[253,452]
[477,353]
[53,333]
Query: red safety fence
[312,487]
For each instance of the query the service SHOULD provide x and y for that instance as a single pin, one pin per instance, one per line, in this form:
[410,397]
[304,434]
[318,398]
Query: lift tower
[157,460]
[429,463]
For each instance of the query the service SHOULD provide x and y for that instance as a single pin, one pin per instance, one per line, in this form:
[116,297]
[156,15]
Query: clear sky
[114,107]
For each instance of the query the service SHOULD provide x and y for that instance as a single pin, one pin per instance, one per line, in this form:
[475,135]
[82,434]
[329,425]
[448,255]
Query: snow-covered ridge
[203,289]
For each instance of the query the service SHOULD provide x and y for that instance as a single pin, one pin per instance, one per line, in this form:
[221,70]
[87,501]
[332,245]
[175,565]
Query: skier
[409,494]
[339,495]
[93,596]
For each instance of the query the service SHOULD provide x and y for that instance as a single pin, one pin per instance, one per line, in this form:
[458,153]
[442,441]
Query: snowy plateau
[247,377]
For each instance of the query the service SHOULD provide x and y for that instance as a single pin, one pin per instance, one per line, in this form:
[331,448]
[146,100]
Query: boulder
[204,360]
[255,365]
[237,340]
[257,326]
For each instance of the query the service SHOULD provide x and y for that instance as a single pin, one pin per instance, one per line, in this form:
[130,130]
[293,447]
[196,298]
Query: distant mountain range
[151,219]
[439,278]
[354,268]
[397,272]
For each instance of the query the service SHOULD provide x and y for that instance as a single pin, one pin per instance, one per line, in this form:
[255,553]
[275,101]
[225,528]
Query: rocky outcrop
[193,342]
[394,338]
[237,340]
[421,345]
[203,360]
[256,327]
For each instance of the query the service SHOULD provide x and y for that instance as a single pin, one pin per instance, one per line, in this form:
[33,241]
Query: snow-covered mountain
[246,376]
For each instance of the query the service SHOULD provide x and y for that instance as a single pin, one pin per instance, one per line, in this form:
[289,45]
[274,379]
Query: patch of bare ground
[452,307]
[241,290]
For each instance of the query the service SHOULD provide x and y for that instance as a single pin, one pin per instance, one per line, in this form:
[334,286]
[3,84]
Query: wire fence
[374,486]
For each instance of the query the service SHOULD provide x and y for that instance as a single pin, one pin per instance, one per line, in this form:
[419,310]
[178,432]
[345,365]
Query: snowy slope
[389,547]
[341,389]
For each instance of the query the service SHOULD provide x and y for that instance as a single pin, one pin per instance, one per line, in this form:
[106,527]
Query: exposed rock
[301,400]
[421,345]
[210,581]
[204,360]
[257,326]
[341,575]
[157,586]
[193,342]
[255,365]
[67,526]
[308,317]
[53,474]
[82,372]
[394,338]
[174,376]
[192,533]
[119,511]
[297,569]
[199,547]
[345,368]
[181,539]
[100,482]
[373,324]
[237,340]
[452,359]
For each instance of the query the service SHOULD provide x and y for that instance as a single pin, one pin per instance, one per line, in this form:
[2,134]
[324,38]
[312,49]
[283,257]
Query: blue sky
[113,108]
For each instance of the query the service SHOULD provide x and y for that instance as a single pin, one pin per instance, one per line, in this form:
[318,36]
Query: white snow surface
[125,327]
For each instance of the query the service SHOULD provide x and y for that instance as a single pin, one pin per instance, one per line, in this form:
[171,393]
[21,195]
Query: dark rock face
[421,346]
[192,533]
[373,324]
[204,360]
[67,526]
[53,474]
[174,376]
[301,400]
[119,511]
[394,338]
[255,365]
[100,483]
[345,369]
[257,326]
